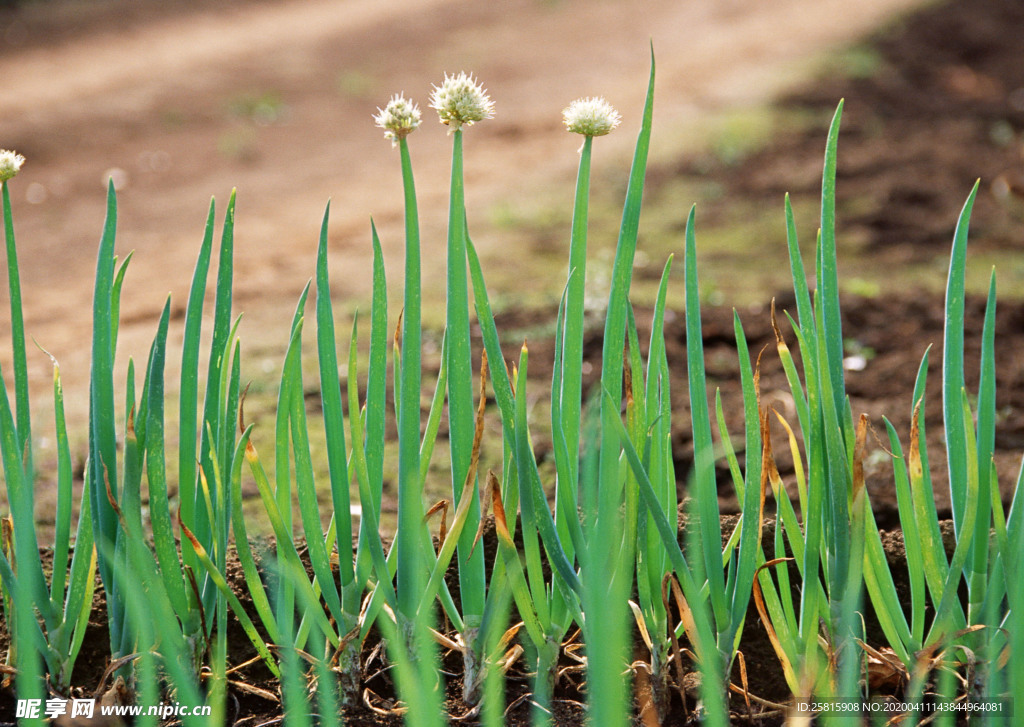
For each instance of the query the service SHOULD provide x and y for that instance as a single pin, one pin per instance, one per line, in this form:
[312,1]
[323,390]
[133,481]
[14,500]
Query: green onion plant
[589,562]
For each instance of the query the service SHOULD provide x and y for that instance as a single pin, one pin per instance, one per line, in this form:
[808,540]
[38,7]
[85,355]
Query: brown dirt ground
[943,107]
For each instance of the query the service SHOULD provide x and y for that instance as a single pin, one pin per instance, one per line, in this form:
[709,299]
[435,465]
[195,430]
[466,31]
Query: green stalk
[160,515]
[32,583]
[500,382]
[567,524]
[946,610]
[566,483]
[218,581]
[749,555]
[376,379]
[30,683]
[828,280]
[528,504]
[67,640]
[129,503]
[304,485]
[705,491]
[460,391]
[24,414]
[726,444]
[837,429]
[151,619]
[1015,584]
[603,494]
[293,687]
[652,559]
[147,689]
[605,625]
[913,540]
[370,441]
[803,297]
[62,521]
[953,366]
[536,515]
[708,656]
[636,423]
[371,546]
[571,344]
[433,424]
[321,678]
[253,580]
[618,299]
[836,485]
[805,314]
[115,300]
[414,656]
[188,399]
[936,564]
[564,536]
[212,424]
[282,452]
[326,694]
[493,701]
[287,554]
[410,503]
[659,418]
[102,435]
[334,425]
[850,660]
[977,581]
[812,605]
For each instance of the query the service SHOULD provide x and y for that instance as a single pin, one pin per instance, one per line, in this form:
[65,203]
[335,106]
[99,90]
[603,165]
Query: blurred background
[178,101]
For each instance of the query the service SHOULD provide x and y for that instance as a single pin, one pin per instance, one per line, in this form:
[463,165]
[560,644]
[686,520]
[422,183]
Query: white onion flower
[461,100]
[398,119]
[10,163]
[590,117]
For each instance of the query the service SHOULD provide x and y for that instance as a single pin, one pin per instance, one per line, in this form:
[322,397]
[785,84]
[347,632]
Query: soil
[941,104]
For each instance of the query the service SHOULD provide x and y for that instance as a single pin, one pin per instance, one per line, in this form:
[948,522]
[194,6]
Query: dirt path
[275,98]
